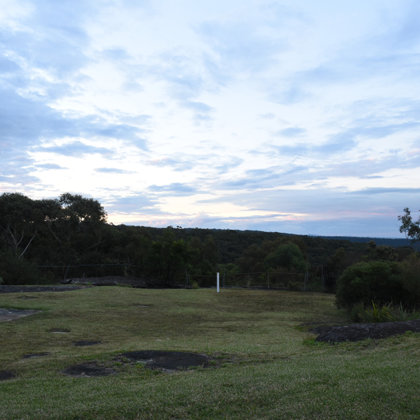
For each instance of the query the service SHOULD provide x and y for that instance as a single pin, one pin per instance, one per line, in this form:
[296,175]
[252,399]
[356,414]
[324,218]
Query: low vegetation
[380,290]
[264,361]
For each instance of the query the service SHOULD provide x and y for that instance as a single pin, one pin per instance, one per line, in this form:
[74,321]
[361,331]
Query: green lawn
[266,364]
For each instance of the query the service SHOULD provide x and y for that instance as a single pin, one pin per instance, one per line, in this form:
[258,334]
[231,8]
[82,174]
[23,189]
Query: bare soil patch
[357,332]
[88,369]
[12,314]
[168,360]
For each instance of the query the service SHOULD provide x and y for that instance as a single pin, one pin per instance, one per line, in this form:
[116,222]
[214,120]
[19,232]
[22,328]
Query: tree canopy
[409,227]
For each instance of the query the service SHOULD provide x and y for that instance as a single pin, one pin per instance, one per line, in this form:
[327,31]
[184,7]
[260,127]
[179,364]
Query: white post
[218,283]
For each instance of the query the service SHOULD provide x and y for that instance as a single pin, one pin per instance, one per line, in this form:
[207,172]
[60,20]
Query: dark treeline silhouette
[69,237]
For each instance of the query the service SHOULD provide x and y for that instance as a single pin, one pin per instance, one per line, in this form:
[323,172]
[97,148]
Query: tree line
[51,239]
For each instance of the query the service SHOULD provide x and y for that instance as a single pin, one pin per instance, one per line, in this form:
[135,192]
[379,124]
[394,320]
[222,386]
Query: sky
[293,116]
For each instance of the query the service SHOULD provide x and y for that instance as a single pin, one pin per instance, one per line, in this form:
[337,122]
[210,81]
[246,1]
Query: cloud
[175,188]
[133,204]
[111,171]
[292,132]
[49,166]
[76,148]
[178,163]
[238,47]
[370,191]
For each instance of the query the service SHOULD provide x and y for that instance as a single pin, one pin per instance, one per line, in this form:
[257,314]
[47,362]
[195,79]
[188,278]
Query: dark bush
[15,270]
[373,281]
[410,278]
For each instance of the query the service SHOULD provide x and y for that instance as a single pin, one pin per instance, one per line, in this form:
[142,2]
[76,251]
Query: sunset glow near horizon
[290,116]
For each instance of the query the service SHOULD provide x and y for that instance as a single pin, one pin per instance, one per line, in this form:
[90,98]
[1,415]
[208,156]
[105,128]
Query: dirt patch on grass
[88,369]
[12,314]
[168,360]
[357,332]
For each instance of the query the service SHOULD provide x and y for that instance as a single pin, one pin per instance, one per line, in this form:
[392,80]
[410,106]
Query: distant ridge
[394,242]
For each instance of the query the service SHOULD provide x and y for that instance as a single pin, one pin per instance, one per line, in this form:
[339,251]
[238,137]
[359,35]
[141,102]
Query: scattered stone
[33,355]
[26,289]
[169,360]
[12,314]
[5,375]
[59,330]
[108,281]
[88,369]
[82,343]
[357,332]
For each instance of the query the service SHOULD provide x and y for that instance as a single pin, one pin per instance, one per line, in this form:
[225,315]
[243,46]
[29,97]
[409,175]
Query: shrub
[15,270]
[410,277]
[373,281]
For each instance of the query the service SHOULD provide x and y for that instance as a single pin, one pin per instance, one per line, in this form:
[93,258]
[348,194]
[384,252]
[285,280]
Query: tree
[287,255]
[409,227]
[79,209]
[19,222]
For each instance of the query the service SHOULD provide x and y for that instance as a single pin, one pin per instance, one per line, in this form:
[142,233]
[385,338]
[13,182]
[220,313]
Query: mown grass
[266,364]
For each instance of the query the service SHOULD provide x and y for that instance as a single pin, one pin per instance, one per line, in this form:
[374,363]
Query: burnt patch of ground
[89,369]
[28,289]
[357,332]
[82,343]
[6,374]
[168,360]
[12,314]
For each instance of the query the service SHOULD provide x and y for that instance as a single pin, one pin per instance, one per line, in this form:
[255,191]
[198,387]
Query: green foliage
[364,282]
[381,313]
[410,278]
[382,282]
[15,270]
[288,256]
[408,226]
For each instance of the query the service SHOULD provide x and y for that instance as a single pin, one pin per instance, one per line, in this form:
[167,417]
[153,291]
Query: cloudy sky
[294,116]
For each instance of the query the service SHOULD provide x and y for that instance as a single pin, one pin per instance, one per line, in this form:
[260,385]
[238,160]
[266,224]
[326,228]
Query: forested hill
[68,237]
[393,242]
[232,244]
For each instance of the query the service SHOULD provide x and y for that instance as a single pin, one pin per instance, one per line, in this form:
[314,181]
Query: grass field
[266,364]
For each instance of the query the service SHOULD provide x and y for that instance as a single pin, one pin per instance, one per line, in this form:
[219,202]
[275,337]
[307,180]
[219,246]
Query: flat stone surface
[12,314]
[5,375]
[59,330]
[170,360]
[357,332]
[26,289]
[33,355]
[88,369]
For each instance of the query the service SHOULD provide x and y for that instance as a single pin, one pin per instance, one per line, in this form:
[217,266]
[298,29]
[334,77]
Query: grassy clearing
[266,365]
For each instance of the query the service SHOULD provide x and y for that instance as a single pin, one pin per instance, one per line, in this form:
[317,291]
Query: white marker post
[218,283]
